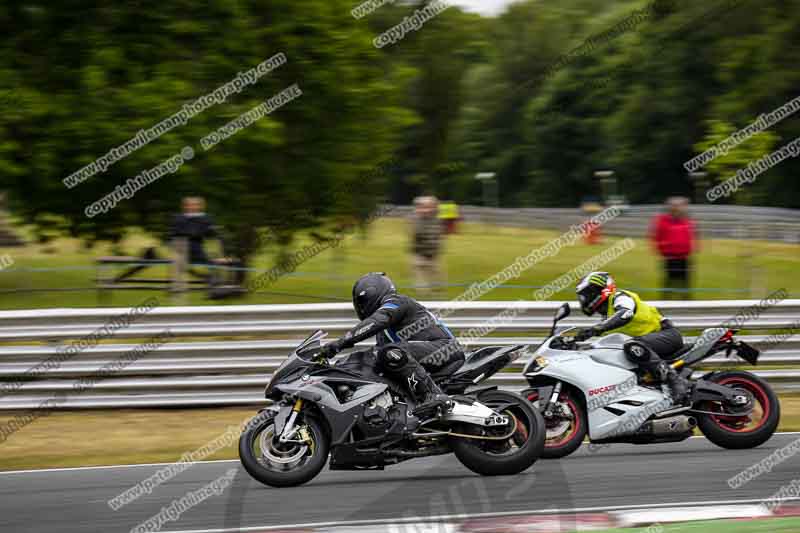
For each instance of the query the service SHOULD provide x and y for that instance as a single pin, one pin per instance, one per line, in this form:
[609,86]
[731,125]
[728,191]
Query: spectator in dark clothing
[674,236]
[196,226]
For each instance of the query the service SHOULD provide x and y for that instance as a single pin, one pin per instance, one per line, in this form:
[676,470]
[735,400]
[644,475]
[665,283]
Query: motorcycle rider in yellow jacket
[654,337]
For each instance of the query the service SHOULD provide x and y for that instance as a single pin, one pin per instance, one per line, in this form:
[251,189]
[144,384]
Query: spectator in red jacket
[674,236]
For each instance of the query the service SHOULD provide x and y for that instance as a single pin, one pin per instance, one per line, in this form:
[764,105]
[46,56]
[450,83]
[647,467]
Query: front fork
[289,431]
[547,410]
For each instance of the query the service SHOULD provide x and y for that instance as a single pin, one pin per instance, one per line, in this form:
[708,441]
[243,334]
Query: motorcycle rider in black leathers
[411,341]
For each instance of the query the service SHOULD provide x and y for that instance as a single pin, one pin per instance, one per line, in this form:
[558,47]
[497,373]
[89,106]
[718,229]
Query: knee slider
[392,358]
[637,351]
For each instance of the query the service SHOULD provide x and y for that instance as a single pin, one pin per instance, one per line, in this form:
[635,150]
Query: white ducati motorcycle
[593,389]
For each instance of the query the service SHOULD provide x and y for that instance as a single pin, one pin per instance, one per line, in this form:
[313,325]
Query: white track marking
[447,518]
[106,467]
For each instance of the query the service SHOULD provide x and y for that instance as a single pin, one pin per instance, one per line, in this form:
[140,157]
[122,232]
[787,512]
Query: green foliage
[90,77]
[725,166]
[462,94]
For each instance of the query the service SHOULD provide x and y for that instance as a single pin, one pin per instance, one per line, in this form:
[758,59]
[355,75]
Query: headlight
[538,364]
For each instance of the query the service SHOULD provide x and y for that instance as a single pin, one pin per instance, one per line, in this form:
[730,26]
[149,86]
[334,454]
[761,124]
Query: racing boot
[420,385]
[677,384]
[428,396]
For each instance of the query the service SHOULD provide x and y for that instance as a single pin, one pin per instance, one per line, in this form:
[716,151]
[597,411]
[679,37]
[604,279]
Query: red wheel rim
[576,424]
[743,424]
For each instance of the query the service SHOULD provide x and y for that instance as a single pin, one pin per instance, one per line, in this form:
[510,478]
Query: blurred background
[434,141]
[519,119]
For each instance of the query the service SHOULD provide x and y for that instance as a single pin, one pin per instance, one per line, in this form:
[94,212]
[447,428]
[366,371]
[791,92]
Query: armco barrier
[249,342]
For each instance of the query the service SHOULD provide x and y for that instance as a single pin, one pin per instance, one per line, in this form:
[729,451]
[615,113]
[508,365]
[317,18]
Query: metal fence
[233,368]
[714,221]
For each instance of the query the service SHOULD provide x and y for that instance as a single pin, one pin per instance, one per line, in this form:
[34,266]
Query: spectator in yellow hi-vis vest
[449,215]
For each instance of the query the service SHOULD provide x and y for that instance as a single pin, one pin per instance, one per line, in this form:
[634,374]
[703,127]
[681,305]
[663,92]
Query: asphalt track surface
[75,500]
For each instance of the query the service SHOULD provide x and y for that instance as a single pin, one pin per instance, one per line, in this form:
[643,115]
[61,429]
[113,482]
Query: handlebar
[561,343]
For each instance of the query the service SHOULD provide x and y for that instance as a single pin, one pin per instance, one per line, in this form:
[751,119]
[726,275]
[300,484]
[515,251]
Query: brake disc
[557,429]
[280,453]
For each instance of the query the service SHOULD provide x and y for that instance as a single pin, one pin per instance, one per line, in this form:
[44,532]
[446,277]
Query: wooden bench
[108,278]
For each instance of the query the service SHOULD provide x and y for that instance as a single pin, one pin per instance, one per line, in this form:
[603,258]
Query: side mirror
[563,312]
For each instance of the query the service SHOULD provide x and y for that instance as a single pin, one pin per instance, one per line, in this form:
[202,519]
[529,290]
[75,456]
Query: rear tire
[570,435]
[503,458]
[733,434]
[290,465]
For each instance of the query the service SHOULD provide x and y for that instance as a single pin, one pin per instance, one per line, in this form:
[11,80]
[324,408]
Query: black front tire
[474,455]
[290,477]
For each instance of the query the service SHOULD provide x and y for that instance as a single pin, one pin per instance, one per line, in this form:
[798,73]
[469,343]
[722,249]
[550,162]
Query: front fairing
[298,362]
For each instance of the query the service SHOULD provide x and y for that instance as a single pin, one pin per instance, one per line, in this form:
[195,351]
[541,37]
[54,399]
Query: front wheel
[566,423]
[498,456]
[283,464]
[735,431]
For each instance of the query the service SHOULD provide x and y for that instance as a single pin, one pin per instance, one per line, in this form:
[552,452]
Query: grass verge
[724,268]
[90,438]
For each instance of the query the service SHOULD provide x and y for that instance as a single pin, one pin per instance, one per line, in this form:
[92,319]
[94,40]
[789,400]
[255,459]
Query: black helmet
[370,291]
[594,290]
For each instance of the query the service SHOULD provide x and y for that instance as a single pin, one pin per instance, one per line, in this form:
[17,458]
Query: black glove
[585,334]
[331,349]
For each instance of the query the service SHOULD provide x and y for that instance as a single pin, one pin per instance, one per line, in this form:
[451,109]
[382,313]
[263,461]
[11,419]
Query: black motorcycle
[365,421]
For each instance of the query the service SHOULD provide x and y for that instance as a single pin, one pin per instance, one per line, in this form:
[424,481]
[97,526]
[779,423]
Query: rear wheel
[506,456]
[283,464]
[735,431]
[565,423]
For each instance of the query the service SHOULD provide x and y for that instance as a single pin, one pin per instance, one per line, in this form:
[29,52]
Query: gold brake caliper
[305,435]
